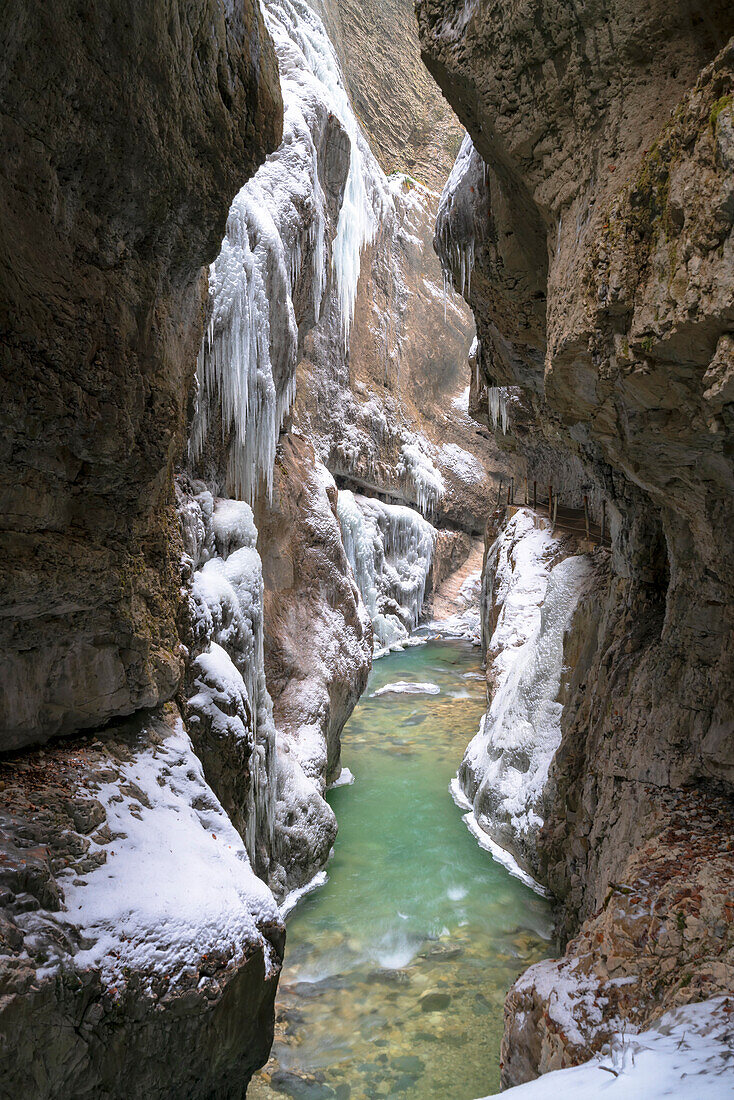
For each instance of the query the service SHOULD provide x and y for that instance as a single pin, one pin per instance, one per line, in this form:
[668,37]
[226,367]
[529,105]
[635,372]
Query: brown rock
[126,129]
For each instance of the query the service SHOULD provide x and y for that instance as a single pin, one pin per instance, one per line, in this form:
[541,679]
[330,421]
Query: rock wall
[318,651]
[132,921]
[590,227]
[409,125]
[126,131]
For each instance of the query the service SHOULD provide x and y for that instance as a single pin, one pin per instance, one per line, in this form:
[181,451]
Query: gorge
[368,372]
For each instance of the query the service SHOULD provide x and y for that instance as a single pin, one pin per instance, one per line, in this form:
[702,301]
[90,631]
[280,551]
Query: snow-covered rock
[533,598]
[687,1055]
[131,909]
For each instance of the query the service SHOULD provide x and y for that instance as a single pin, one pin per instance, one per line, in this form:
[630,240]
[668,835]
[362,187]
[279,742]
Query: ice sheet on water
[406,687]
[344,779]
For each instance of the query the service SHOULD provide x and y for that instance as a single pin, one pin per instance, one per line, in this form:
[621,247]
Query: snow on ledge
[176,883]
[688,1055]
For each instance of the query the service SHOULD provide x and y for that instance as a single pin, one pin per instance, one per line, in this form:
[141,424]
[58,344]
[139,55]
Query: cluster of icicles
[390,549]
[246,366]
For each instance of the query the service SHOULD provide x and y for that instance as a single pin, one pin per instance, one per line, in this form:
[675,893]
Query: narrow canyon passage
[367,629]
[397,969]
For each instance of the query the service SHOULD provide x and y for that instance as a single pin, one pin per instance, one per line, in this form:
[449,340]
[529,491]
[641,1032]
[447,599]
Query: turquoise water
[397,969]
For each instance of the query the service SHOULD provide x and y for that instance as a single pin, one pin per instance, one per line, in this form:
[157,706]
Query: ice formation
[466,620]
[497,398]
[246,366]
[407,687]
[418,468]
[227,607]
[280,807]
[455,221]
[390,549]
[505,767]
[686,1055]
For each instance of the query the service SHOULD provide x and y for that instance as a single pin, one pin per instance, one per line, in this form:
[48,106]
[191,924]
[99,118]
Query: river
[396,970]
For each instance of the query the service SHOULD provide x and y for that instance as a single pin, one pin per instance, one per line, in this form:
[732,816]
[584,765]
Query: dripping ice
[390,549]
[246,366]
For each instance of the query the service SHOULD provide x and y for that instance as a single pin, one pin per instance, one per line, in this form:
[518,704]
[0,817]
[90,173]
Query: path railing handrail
[575,521]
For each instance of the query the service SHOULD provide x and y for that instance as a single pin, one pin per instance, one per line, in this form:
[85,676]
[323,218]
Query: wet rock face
[127,130]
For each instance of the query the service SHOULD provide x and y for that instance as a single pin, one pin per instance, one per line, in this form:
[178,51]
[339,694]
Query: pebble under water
[396,970]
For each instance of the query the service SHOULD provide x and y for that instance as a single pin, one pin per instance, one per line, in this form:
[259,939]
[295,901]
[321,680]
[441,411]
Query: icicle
[246,366]
[498,401]
[418,468]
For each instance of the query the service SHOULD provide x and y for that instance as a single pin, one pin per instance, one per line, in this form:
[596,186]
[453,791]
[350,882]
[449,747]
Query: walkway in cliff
[448,599]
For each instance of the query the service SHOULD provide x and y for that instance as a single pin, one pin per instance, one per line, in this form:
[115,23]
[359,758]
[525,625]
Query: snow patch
[687,1055]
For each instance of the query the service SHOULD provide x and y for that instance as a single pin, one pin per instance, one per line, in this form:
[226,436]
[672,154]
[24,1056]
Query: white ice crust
[506,765]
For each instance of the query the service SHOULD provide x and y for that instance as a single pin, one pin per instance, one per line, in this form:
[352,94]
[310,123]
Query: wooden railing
[546,501]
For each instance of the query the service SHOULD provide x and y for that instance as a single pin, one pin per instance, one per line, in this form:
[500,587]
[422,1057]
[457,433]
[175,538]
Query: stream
[396,970]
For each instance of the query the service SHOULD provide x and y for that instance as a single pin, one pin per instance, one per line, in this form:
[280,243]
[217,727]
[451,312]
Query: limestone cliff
[589,223]
[126,132]
[409,125]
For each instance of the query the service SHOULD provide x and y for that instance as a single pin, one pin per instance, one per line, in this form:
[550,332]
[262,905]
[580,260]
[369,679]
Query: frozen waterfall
[498,401]
[390,548]
[505,768]
[277,222]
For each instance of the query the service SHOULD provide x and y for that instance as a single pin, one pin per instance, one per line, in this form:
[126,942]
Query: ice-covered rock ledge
[132,922]
[390,549]
[531,588]
[688,1054]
